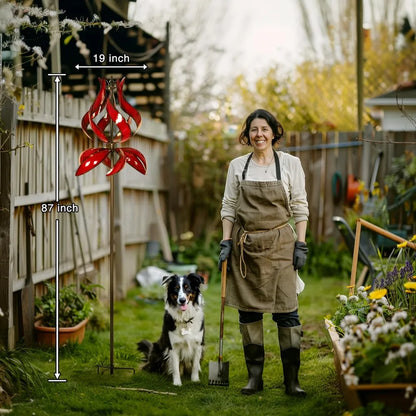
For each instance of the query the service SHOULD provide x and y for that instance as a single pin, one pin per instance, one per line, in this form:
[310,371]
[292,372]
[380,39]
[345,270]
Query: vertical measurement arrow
[57,372]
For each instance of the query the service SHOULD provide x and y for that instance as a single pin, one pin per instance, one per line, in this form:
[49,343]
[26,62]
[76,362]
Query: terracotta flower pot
[46,335]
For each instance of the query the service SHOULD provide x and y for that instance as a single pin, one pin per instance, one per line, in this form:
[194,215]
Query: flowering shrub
[381,349]
[377,327]
[359,305]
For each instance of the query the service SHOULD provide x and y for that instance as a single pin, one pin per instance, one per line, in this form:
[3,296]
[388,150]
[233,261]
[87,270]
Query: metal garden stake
[111,127]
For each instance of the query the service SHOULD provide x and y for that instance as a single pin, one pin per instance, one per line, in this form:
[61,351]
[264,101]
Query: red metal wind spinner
[104,114]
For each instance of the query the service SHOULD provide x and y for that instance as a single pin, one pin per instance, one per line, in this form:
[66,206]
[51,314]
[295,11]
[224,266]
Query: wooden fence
[325,156]
[139,201]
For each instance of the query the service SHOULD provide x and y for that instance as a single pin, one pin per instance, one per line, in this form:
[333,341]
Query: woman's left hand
[299,255]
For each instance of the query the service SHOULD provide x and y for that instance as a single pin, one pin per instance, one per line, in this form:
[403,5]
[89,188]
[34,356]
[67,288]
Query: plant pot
[46,335]
[392,394]
[205,275]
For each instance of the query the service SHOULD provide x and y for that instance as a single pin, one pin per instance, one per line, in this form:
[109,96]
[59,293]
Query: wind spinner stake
[113,121]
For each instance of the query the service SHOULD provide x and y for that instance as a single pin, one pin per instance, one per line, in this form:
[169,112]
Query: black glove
[299,255]
[226,246]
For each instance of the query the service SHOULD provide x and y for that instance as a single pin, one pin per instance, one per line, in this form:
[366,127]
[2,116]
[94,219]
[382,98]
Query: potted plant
[205,265]
[74,311]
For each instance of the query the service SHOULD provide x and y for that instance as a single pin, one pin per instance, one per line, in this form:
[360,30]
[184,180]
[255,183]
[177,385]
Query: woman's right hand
[225,246]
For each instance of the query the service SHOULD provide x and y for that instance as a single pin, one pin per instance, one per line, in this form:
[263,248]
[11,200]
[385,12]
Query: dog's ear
[195,279]
[167,279]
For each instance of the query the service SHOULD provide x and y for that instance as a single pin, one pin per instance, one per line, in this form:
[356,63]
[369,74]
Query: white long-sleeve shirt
[292,176]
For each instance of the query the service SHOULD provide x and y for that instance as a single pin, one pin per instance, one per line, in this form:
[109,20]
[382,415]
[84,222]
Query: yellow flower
[413,238]
[410,285]
[367,288]
[402,245]
[377,294]
[350,287]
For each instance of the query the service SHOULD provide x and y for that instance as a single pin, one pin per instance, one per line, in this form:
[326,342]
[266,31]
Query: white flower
[1,312]
[389,327]
[392,355]
[42,63]
[404,330]
[347,340]
[359,331]
[353,298]
[17,44]
[74,25]
[83,50]
[371,315]
[6,15]
[342,299]
[378,321]
[408,392]
[375,332]
[350,378]
[362,294]
[107,27]
[406,349]
[349,320]
[382,301]
[399,316]
[38,51]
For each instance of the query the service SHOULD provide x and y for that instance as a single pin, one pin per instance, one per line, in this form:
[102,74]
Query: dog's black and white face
[183,291]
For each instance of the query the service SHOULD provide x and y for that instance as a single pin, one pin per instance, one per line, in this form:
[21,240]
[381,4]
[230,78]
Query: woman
[263,191]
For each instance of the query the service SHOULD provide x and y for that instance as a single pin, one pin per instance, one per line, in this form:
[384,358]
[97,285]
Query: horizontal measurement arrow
[144,66]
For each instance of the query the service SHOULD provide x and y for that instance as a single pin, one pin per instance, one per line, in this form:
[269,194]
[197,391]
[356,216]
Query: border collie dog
[180,346]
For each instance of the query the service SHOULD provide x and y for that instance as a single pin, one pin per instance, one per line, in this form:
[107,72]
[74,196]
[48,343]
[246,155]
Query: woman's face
[260,134]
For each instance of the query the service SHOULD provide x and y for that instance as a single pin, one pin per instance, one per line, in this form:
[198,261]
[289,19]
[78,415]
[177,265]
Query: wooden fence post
[366,155]
[8,115]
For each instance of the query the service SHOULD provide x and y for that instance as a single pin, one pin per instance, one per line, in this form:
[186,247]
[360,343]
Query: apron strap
[276,161]
[246,166]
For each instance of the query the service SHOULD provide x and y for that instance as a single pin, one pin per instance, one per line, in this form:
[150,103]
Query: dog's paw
[177,382]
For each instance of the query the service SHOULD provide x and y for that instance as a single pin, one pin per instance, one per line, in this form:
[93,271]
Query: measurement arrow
[144,66]
[57,372]
[57,82]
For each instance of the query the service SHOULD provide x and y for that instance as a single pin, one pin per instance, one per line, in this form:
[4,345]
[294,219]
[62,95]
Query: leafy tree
[201,172]
[320,93]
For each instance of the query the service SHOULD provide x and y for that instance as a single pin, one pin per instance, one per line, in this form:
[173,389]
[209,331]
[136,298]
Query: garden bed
[392,395]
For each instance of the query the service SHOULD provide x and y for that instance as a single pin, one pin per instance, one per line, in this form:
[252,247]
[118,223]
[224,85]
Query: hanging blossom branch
[16,17]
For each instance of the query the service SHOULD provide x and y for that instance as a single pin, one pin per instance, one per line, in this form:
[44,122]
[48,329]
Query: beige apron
[262,277]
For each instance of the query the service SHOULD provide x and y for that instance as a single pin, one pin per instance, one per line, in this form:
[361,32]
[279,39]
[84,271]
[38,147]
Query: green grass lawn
[89,393]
